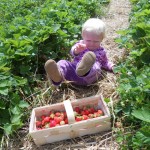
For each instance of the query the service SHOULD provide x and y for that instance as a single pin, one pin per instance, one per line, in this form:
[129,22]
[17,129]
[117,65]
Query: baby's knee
[63,63]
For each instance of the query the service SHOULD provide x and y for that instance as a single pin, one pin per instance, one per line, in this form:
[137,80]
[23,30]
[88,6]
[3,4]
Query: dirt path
[116,19]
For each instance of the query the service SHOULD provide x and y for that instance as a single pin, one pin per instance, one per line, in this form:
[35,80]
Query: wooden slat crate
[72,129]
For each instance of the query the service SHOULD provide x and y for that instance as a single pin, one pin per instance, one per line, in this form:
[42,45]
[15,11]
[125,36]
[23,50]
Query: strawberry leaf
[142,114]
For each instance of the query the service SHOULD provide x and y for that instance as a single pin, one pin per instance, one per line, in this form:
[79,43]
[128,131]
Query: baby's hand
[79,48]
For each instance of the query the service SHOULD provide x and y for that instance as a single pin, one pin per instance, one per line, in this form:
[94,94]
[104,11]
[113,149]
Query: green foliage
[32,32]
[134,83]
[142,114]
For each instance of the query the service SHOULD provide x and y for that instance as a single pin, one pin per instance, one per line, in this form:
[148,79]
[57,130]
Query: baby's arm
[106,64]
[78,48]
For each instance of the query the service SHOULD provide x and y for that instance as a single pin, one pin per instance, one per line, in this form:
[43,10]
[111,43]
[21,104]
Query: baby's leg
[53,72]
[68,71]
[86,64]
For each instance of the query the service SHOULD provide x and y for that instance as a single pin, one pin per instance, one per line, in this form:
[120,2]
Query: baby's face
[92,40]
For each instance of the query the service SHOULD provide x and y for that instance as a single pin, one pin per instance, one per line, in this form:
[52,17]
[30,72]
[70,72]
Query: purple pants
[68,71]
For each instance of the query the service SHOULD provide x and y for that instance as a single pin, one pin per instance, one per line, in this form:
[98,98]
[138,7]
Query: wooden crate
[72,129]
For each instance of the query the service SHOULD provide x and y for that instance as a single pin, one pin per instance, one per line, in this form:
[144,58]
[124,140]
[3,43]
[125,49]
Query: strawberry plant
[134,83]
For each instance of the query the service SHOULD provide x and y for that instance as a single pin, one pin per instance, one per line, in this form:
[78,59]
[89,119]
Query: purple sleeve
[73,47]
[106,64]
[72,50]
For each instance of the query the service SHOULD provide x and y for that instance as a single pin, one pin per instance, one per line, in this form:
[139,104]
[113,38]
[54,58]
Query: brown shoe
[86,63]
[53,71]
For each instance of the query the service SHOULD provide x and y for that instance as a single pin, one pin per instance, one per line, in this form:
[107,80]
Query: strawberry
[38,123]
[65,114]
[75,113]
[96,115]
[78,118]
[57,114]
[62,122]
[100,112]
[46,126]
[85,117]
[66,121]
[52,115]
[52,123]
[43,116]
[83,112]
[91,115]
[46,119]
[86,112]
[92,110]
[43,123]
[58,119]
[77,109]
[89,110]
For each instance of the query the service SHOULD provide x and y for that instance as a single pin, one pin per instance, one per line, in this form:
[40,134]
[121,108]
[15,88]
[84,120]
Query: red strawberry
[43,123]
[91,115]
[85,117]
[86,112]
[100,112]
[57,114]
[58,119]
[78,118]
[83,112]
[43,116]
[52,123]
[77,109]
[65,114]
[92,110]
[66,121]
[97,114]
[38,123]
[46,119]
[89,110]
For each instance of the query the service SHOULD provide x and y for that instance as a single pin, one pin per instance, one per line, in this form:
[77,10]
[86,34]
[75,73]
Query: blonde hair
[94,25]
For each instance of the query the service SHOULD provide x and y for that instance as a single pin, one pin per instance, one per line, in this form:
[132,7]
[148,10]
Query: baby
[89,58]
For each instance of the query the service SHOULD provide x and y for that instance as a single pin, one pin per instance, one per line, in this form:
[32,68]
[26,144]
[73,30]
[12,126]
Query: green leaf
[15,110]
[2,104]
[15,119]
[107,100]
[23,104]
[8,128]
[19,81]
[4,90]
[5,83]
[56,27]
[142,114]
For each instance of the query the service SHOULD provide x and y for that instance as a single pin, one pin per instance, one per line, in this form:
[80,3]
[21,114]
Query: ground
[116,19]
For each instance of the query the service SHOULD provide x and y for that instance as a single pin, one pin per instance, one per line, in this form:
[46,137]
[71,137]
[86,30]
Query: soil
[116,19]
